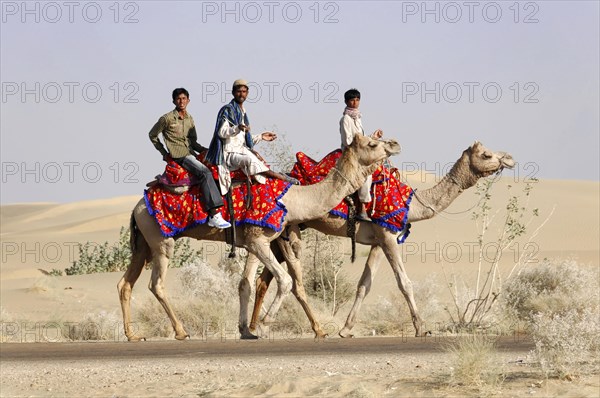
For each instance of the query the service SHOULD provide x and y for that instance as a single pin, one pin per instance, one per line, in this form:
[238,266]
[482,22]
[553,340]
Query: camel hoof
[135,339]
[182,336]
[345,333]
[321,336]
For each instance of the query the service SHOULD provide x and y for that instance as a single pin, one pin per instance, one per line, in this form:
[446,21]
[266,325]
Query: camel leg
[261,248]
[262,285]
[364,286]
[392,252]
[139,256]
[295,270]
[162,253]
[245,290]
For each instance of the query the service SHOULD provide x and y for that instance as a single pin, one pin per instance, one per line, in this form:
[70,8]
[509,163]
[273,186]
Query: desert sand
[39,237]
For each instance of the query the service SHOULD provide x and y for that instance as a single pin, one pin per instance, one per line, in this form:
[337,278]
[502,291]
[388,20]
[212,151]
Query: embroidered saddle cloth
[176,212]
[391,197]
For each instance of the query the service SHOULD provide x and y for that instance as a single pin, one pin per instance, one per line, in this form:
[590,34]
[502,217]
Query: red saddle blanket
[391,197]
[177,212]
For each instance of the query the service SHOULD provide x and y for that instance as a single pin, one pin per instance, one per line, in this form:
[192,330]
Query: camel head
[476,162]
[484,162]
[368,151]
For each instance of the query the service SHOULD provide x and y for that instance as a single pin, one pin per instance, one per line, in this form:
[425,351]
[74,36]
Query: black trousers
[211,195]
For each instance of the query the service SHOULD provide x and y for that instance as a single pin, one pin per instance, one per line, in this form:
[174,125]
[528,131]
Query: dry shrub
[291,320]
[559,302]
[102,325]
[567,345]
[391,316]
[5,318]
[550,287]
[206,304]
[474,364]
[42,284]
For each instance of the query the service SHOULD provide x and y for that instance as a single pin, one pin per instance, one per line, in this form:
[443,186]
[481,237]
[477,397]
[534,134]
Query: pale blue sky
[62,143]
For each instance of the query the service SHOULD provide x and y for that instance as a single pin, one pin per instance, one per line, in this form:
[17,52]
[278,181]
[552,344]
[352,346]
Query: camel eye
[372,144]
[487,155]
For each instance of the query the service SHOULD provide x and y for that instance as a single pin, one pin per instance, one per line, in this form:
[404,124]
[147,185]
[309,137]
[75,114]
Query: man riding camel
[232,144]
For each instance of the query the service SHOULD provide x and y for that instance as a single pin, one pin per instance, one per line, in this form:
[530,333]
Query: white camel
[475,162]
[149,245]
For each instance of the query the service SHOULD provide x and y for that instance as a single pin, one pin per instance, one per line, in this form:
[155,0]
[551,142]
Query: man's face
[181,102]
[353,103]
[240,93]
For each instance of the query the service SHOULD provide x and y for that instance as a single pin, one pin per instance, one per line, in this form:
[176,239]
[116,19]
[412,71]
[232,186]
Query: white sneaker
[217,221]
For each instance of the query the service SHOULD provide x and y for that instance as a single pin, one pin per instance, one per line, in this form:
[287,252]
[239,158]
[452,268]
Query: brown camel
[149,245]
[475,162]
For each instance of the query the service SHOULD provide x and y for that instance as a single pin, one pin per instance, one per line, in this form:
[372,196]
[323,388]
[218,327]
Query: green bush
[94,258]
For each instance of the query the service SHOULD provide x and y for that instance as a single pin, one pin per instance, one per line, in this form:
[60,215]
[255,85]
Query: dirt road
[361,367]
[237,348]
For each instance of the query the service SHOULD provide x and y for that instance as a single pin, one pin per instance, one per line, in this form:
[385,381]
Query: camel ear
[476,144]
[356,139]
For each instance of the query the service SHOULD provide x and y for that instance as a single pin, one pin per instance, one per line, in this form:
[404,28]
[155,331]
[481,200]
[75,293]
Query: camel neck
[428,202]
[315,201]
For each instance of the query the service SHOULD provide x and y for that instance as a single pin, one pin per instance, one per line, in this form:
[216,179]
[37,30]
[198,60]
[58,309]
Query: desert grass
[475,365]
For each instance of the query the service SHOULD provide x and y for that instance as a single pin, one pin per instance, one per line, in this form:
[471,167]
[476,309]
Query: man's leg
[364,197]
[211,197]
[251,165]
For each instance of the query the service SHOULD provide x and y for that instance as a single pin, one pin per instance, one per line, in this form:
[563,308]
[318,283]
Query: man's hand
[377,134]
[268,136]
[243,127]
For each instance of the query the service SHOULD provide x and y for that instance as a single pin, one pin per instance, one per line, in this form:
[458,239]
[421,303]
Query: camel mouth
[392,147]
[507,161]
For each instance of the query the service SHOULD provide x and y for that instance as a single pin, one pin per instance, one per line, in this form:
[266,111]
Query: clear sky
[83,83]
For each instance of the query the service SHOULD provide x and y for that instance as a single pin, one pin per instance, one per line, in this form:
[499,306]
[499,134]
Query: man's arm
[193,137]
[156,130]
[227,130]
[347,130]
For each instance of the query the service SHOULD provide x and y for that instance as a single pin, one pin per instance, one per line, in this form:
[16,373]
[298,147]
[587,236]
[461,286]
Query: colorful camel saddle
[391,197]
[175,212]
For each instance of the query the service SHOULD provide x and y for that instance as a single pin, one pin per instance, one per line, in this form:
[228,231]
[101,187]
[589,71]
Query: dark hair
[179,91]
[351,94]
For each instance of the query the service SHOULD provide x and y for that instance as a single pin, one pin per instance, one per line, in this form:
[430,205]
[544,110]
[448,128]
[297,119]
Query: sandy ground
[39,237]
[364,375]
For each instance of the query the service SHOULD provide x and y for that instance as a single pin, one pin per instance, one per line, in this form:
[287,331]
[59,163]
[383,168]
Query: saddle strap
[249,196]
[230,233]
[351,225]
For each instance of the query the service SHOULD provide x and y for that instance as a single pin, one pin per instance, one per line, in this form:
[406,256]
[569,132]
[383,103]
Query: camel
[149,245]
[475,162]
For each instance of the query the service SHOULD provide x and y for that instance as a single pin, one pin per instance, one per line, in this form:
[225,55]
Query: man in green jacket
[179,134]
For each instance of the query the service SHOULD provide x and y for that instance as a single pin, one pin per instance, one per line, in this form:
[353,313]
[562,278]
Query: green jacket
[179,134]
